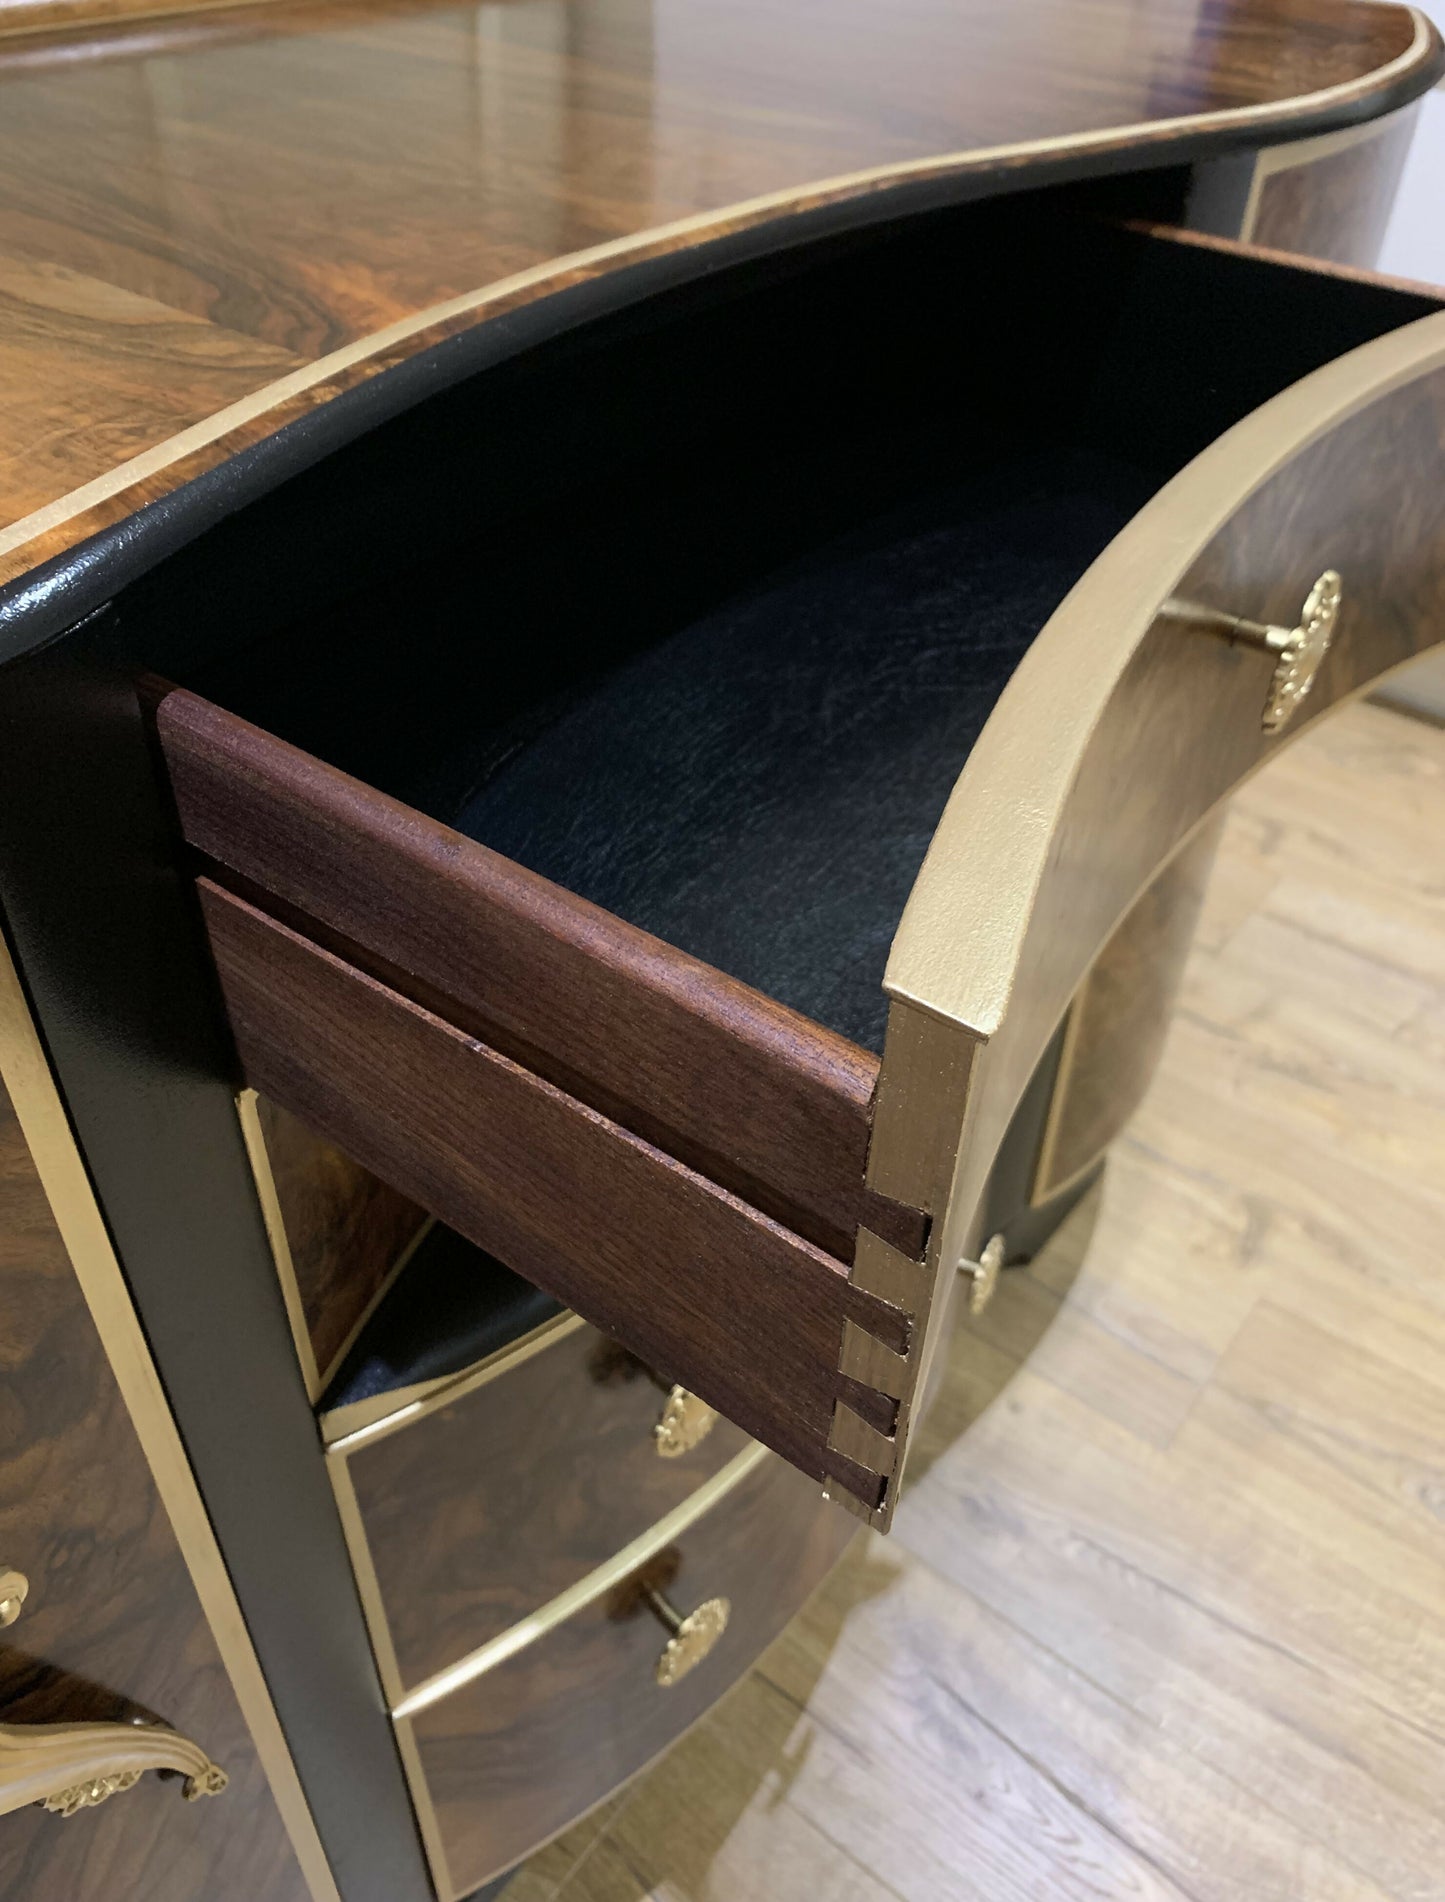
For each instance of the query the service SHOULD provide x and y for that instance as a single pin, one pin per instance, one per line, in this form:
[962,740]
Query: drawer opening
[710,603]
[652,661]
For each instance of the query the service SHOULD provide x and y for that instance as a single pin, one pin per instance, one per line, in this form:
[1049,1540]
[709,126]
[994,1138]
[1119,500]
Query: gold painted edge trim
[741,214]
[428,1826]
[1040,1188]
[368,1585]
[346,1429]
[44,1125]
[264,1179]
[1271,160]
[388,1280]
[601,1579]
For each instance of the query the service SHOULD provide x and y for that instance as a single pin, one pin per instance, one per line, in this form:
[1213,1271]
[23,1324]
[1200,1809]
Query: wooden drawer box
[508,1489]
[508,1758]
[585,953]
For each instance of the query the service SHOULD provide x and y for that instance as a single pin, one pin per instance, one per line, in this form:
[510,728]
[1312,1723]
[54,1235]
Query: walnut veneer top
[209,226]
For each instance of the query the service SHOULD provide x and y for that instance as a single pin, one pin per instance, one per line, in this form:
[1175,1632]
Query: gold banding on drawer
[556,1714]
[509,1487]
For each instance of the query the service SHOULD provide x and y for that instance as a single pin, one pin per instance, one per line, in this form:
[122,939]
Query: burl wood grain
[748,1092]
[1335,206]
[344,1229]
[544,1735]
[112,1628]
[487,1508]
[337,186]
[737,1308]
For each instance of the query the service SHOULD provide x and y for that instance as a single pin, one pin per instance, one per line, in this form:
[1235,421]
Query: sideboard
[624,629]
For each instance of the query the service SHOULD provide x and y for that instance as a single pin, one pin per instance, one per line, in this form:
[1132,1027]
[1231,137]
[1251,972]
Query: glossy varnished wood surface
[1163,1616]
[1335,204]
[490,1506]
[201,208]
[112,1629]
[548,1732]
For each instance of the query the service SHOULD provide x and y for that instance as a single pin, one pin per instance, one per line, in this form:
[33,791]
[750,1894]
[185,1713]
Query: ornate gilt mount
[685,1423]
[14,1590]
[690,1637]
[67,1768]
[1299,651]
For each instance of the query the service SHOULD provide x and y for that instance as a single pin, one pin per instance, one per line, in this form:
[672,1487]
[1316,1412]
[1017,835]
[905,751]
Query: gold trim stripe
[1274,159]
[619,1567]
[259,1158]
[346,1429]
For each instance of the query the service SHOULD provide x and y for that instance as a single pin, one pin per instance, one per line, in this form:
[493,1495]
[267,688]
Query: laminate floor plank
[1163,1613]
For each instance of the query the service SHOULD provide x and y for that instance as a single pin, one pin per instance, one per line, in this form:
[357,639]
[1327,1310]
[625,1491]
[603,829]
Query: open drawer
[905,603]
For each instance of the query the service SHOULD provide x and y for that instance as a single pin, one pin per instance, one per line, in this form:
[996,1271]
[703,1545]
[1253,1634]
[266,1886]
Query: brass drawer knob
[1299,651]
[690,1638]
[14,1590]
[686,1421]
[983,1274]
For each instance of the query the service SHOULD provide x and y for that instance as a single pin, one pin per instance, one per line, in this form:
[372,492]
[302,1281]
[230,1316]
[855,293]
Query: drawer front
[481,1511]
[513,1756]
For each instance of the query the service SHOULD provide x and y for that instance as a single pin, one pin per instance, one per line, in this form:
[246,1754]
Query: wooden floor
[1163,1615]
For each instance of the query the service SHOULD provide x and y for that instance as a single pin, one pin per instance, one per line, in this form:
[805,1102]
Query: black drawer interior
[699,610]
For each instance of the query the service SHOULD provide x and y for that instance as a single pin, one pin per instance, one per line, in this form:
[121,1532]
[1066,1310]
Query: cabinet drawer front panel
[1132,716]
[480,1512]
[543,1735]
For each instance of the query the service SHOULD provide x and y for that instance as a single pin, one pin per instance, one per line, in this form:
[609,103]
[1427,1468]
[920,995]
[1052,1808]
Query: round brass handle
[1302,649]
[685,1422]
[983,1274]
[1298,651]
[690,1638]
[14,1590]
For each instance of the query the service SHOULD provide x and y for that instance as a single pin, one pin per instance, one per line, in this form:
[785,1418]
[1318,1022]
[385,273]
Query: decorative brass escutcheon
[983,1274]
[1299,651]
[14,1590]
[690,1638]
[686,1421]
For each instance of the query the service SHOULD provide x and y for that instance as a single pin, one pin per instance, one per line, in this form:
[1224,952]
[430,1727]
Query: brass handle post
[690,1637]
[1299,651]
[983,1274]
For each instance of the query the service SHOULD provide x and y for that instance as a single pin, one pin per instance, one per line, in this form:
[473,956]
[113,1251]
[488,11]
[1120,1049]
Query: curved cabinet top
[211,226]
